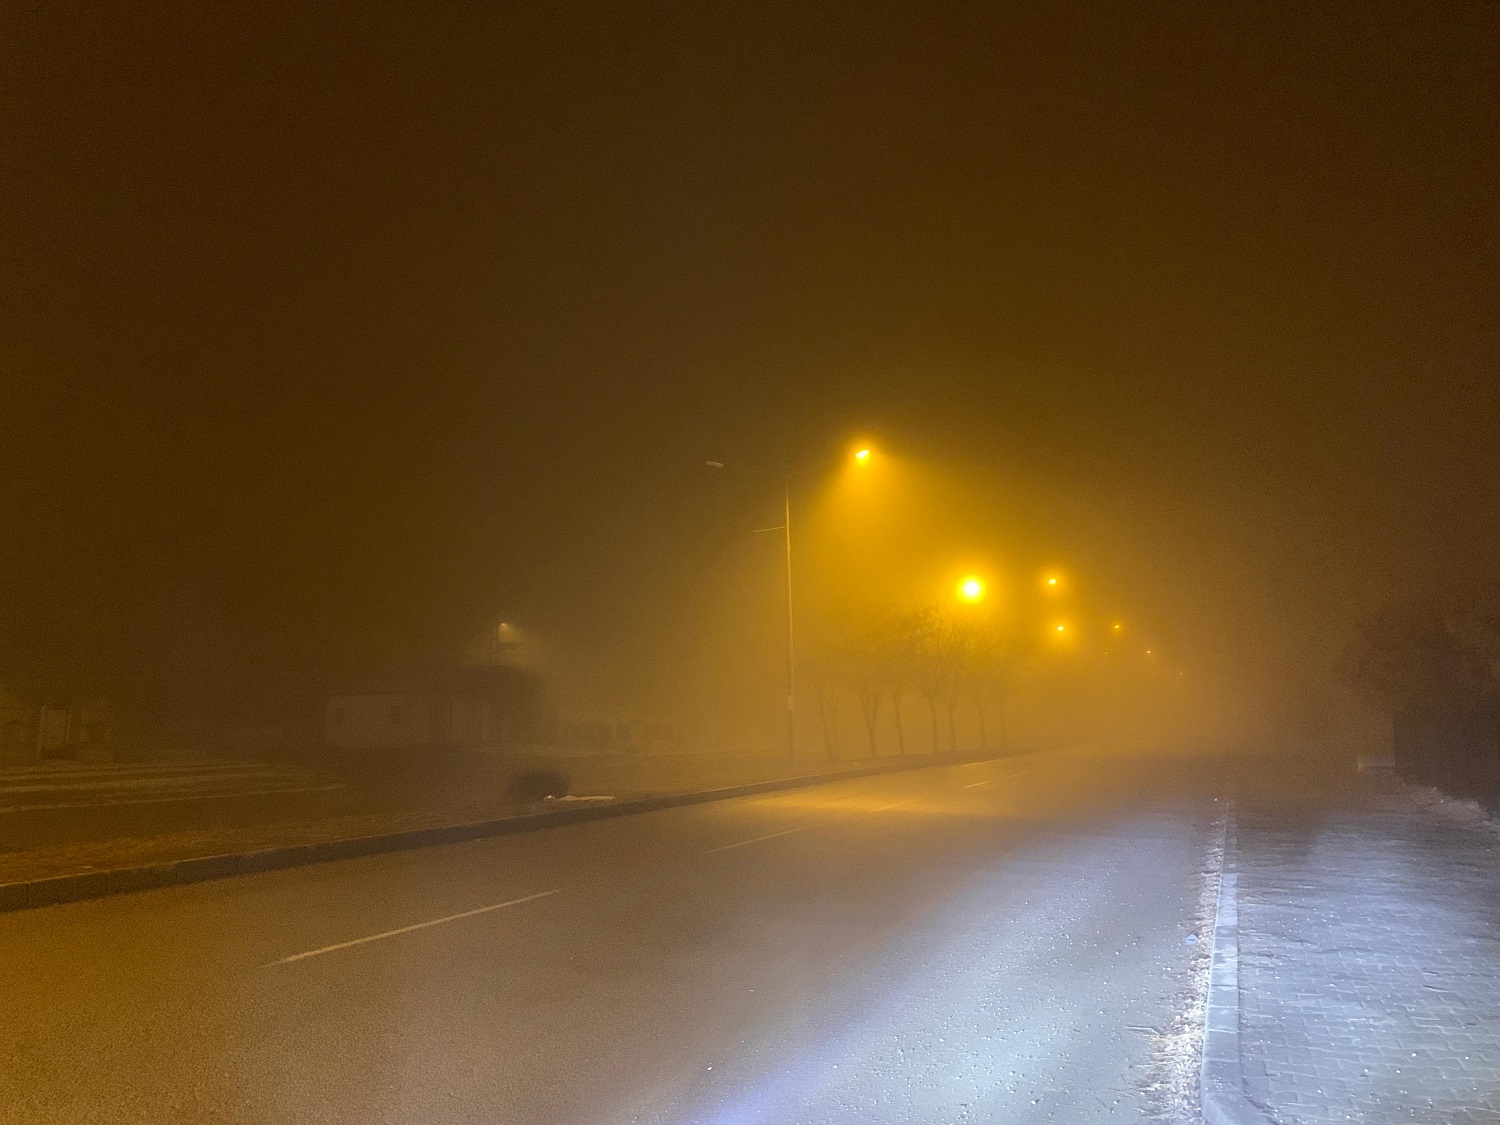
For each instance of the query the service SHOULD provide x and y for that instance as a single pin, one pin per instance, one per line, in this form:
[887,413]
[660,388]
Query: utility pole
[791,661]
[860,457]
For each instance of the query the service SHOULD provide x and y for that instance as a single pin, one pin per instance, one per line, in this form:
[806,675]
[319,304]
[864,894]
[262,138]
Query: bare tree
[927,669]
[869,693]
[860,644]
[943,647]
[826,690]
[1001,650]
[882,653]
[954,649]
[896,688]
[901,658]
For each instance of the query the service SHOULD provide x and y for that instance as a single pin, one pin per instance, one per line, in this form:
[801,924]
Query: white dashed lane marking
[408,929]
[756,840]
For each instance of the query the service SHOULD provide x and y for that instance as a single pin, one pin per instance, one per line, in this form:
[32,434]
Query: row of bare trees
[881,656]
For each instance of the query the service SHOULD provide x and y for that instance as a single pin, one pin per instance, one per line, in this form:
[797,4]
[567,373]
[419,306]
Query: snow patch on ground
[1170,1082]
[1461,811]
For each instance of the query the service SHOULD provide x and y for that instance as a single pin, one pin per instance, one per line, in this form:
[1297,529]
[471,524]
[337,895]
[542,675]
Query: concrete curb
[98,884]
[1222,1078]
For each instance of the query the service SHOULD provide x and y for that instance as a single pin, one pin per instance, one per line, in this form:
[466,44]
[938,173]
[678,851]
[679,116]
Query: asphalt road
[1000,942]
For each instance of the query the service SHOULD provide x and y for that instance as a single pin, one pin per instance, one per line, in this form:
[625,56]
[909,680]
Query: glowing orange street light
[862,455]
[971,589]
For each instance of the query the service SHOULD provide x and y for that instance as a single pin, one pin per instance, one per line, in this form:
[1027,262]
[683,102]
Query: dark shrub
[1454,746]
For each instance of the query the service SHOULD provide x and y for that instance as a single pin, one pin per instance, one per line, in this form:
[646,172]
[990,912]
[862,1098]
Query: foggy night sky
[317,322]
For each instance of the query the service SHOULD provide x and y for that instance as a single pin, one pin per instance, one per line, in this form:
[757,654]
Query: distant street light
[971,589]
[862,456]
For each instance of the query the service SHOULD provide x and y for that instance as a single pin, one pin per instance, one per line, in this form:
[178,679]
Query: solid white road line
[758,839]
[90,784]
[409,929]
[175,800]
[975,784]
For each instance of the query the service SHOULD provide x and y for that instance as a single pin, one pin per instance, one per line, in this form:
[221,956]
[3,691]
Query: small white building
[378,721]
[17,732]
[457,707]
[390,720]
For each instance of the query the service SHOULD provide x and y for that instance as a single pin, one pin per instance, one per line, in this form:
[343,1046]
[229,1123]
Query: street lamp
[971,589]
[862,457]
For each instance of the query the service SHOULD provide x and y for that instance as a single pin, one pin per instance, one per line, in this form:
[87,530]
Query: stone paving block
[1370,962]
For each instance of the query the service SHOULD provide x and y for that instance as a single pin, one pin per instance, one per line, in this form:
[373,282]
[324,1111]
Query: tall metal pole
[791,664]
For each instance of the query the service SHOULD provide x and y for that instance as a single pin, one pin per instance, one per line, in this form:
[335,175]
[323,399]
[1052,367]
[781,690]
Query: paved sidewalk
[1370,958]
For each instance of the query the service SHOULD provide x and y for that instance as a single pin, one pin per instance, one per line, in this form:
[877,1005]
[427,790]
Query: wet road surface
[993,942]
